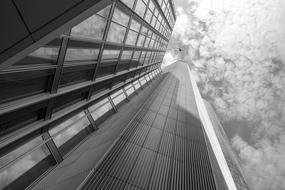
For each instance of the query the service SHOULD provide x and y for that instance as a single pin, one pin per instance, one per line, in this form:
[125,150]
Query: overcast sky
[237,53]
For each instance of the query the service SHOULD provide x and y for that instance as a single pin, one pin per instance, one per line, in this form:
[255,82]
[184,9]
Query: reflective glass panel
[140,8]
[131,38]
[69,128]
[16,168]
[73,54]
[129,3]
[45,54]
[141,40]
[93,27]
[148,16]
[135,25]
[126,55]
[120,17]
[98,111]
[116,33]
[105,12]
[136,54]
[110,54]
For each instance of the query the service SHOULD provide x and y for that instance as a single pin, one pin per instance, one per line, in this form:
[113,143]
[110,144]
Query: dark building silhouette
[84,103]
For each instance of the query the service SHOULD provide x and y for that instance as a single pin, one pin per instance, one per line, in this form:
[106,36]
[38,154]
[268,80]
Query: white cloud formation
[237,50]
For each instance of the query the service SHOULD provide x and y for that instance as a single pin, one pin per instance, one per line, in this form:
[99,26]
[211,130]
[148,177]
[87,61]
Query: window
[136,55]
[140,8]
[129,89]
[129,3]
[23,165]
[105,12]
[93,27]
[67,134]
[100,108]
[22,84]
[116,33]
[131,38]
[136,84]
[76,74]
[118,97]
[135,25]
[46,55]
[120,17]
[126,55]
[110,54]
[141,41]
[73,54]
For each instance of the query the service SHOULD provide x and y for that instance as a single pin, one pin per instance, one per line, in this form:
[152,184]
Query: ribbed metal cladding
[159,149]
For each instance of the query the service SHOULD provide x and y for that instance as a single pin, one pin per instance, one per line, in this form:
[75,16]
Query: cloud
[237,53]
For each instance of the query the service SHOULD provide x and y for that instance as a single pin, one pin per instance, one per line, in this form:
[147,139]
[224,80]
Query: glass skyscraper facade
[71,66]
[57,95]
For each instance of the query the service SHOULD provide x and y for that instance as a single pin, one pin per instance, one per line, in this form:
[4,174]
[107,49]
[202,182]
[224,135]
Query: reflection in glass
[148,16]
[131,38]
[136,84]
[129,3]
[73,54]
[144,31]
[110,54]
[126,55]
[129,89]
[99,109]
[43,54]
[135,25]
[140,8]
[116,33]
[105,12]
[151,5]
[69,128]
[141,41]
[93,27]
[118,97]
[146,42]
[120,17]
[11,169]
[136,54]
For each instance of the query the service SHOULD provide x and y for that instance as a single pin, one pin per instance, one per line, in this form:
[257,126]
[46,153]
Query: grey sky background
[237,52]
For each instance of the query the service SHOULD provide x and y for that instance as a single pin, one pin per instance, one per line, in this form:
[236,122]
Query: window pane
[93,27]
[105,12]
[116,33]
[144,31]
[45,54]
[151,5]
[136,84]
[129,90]
[140,8]
[131,38]
[141,40]
[119,99]
[73,54]
[146,42]
[135,25]
[126,55]
[98,111]
[129,3]
[120,17]
[13,170]
[148,16]
[136,54]
[110,54]
[68,129]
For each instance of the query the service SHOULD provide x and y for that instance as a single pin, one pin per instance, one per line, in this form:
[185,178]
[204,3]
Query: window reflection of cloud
[13,171]
[116,33]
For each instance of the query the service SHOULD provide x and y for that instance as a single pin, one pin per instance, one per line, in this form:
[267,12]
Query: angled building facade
[84,103]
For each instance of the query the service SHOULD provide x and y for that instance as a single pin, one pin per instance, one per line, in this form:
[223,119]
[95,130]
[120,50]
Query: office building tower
[84,103]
